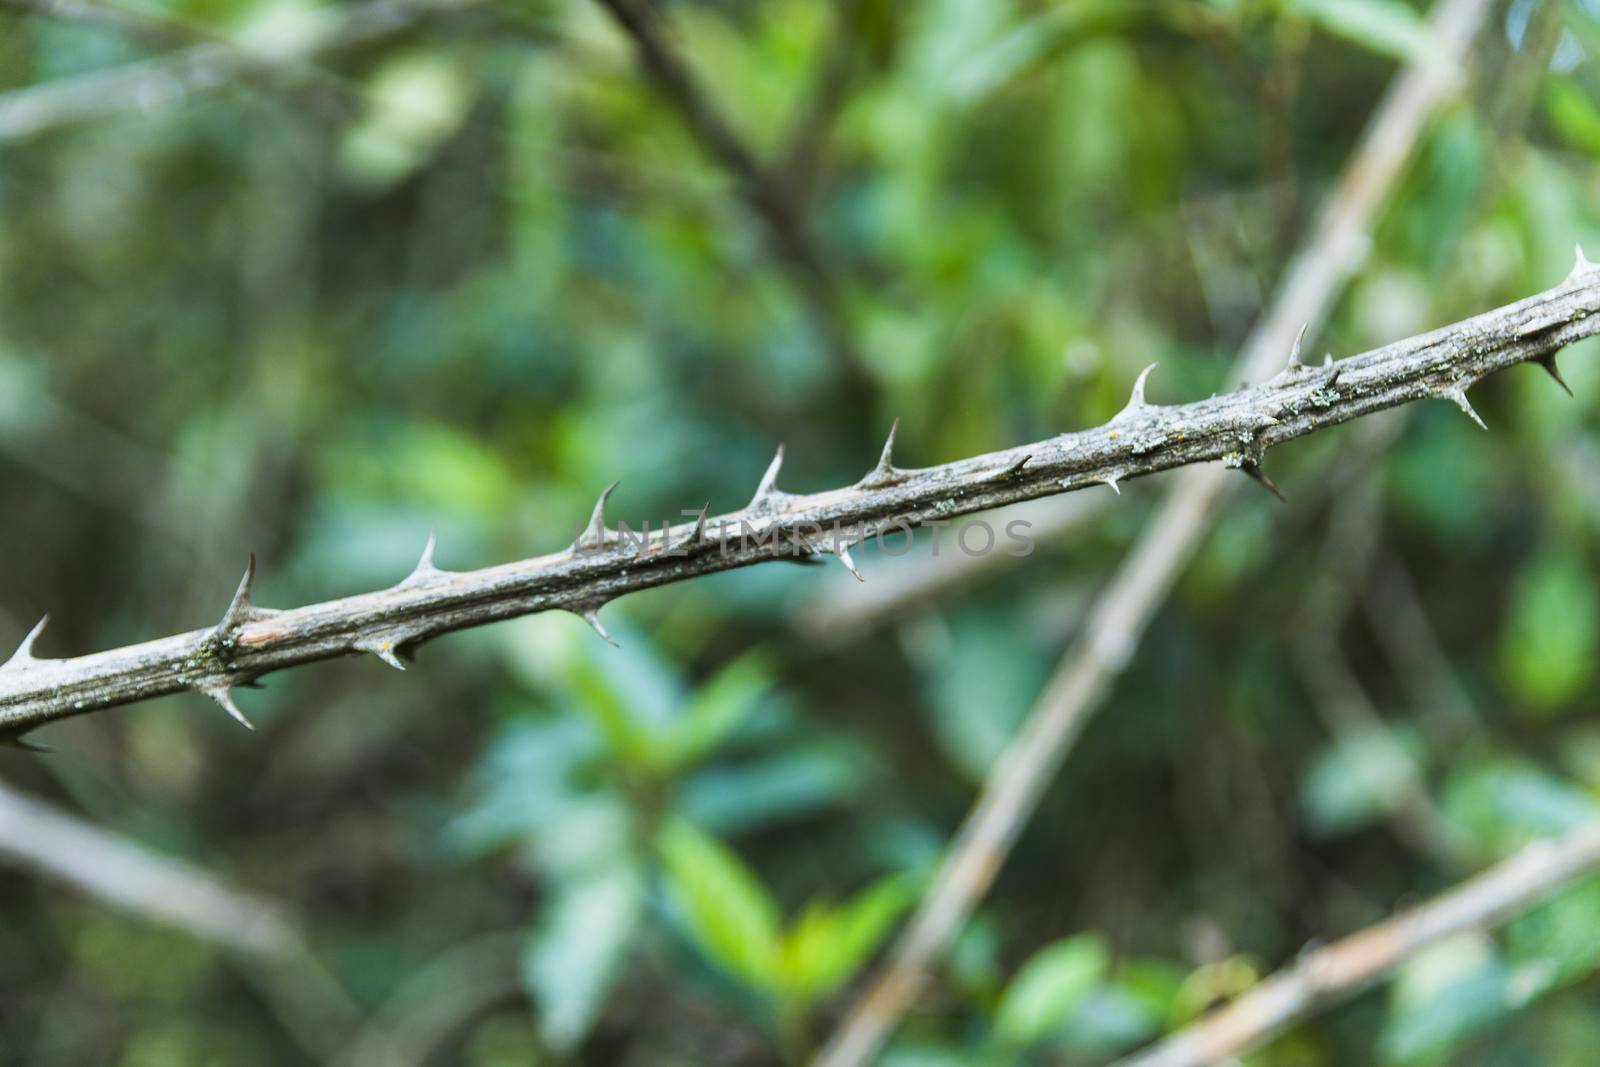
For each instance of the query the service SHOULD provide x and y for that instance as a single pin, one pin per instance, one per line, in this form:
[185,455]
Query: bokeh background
[461,271]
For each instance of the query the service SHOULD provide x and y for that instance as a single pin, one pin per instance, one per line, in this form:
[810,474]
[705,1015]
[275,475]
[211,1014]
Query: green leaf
[1573,115]
[1442,996]
[1383,26]
[626,739]
[574,956]
[1049,988]
[827,945]
[732,917]
[1557,943]
[1551,634]
[715,711]
[1360,777]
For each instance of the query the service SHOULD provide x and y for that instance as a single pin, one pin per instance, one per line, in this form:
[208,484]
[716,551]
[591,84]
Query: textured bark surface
[1237,428]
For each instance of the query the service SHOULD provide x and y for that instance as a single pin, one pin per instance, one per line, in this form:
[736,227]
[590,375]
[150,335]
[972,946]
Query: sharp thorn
[1459,395]
[592,617]
[694,536]
[239,608]
[1138,399]
[222,696]
[1111,480]
[24,653]
[1254,471]
[1294,353]
[885,473]
[594,534]
[18,741]
[999,474]
[1580,262]
[384,650]
[426,562]
[768,488]
[843,552]
[1550,368]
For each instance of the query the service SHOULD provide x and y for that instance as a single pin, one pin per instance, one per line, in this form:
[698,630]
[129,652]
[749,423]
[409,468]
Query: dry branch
[1323,977]
[602,563]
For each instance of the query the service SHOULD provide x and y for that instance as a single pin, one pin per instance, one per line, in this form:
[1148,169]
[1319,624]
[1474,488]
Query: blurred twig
[1018,779]
[765,191]
[117,870]
[201,67]
[1325,976]
[436,1001]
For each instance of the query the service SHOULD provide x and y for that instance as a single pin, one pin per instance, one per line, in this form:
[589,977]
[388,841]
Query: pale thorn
[595,531]
[221,694]
[425,567]
[24,653]
[769,481]
[1294,353]
[999,473]
[1136,401]
[384,650]
[1459,395]
[1580,262]
[592,617]
[1111,480]
[885,473]
[843,552]
[17,741]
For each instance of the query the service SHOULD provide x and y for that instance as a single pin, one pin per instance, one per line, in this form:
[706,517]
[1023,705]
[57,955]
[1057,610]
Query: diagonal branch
[603,563]
[1322,977]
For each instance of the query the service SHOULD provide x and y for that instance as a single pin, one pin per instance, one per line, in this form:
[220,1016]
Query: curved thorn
[1580,262]
[24,653]
[1459,395]
[595,532]
[1137,401]
[238,611]
[769,481]
[219,692]
[1111,480]
[1550,368]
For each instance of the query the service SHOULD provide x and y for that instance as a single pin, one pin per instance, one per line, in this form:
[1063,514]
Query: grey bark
[1237,428]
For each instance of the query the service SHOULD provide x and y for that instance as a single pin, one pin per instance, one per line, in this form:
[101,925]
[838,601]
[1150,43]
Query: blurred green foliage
[465,274]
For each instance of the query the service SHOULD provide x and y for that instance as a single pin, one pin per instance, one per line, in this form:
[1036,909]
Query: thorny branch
[1324,976]
[602,564]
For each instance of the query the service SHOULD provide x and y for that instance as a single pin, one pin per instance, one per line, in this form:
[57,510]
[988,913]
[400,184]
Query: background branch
[1325,976]
[1018,778]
